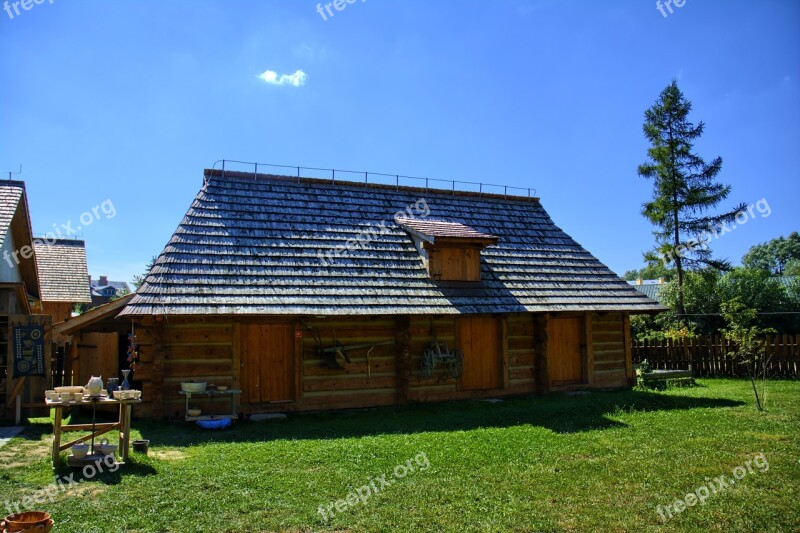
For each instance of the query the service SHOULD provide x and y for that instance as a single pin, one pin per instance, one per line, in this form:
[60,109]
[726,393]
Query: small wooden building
[64,283]
[24,361]
[310,294]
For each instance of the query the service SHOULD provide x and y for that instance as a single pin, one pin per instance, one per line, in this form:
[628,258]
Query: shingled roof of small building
[431,229]
[63,274]
[257,245]
[10,194]
[15,235]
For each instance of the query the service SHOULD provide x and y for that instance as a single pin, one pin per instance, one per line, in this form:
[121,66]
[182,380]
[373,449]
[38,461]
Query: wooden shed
[311,294]
[63,283]
[24,337]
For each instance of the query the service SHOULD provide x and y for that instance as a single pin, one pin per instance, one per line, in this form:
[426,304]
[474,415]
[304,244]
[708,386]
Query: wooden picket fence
[707,355]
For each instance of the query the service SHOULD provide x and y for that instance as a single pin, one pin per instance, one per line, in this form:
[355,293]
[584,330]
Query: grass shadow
[558,413]
[105,473]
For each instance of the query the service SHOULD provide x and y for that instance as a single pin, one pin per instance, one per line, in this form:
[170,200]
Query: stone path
[7,432]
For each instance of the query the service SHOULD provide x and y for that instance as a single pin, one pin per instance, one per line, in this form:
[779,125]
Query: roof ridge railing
[531,193]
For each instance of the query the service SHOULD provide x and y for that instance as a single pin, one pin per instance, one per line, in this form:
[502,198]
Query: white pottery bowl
[80,450]
[193,387]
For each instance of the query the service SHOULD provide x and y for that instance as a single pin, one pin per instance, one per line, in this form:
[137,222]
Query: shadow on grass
[558,413]
[101,472]
[35,430]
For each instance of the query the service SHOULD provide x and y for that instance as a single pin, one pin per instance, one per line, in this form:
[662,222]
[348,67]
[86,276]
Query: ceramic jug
[95,385]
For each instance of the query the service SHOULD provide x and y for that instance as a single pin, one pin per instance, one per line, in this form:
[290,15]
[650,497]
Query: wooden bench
[656,376]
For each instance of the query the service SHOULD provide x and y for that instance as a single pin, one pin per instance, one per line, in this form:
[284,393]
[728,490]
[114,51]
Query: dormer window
[450,251]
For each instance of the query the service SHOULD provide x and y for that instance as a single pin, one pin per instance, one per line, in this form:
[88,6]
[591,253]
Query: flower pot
[141,446]
[29,521]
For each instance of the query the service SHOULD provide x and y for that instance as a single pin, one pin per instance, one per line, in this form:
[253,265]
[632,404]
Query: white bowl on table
[193,387]
[79,451]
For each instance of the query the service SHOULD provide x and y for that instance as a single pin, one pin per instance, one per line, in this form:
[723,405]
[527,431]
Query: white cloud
[273,78]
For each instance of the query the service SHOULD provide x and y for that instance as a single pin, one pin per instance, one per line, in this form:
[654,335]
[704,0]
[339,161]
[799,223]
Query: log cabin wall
[184,350]
[522,354]
[515,353]
[610,350]
[176,350]
[441,385]
[368,379]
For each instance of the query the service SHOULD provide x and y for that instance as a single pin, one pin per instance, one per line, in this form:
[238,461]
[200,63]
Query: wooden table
[212,393]
[123,424]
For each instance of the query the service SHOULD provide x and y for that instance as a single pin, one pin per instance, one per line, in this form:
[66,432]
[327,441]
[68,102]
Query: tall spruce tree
[684,190]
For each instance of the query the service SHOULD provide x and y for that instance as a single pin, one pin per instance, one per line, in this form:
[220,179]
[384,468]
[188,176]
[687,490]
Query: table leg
[57,438]
[125,431]
[122,431]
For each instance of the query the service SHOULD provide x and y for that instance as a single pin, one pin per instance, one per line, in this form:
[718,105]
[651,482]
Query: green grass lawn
[602,461]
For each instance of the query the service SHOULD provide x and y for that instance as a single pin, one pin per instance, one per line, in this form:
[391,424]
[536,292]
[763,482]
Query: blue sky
[129,101]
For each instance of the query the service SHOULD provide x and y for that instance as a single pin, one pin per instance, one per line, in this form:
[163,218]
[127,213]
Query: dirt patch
[168,455]
[24,452]
[89,490]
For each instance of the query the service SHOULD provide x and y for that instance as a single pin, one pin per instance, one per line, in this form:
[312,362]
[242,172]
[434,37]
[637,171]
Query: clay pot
[31,521]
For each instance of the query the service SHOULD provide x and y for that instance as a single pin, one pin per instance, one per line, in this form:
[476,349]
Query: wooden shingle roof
[16,237]
[63,275]
[430,230]
[271,245]
[10,194]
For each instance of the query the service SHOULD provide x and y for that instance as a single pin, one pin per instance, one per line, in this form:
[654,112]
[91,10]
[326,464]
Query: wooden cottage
[24,338]
[64,283]
[309,294]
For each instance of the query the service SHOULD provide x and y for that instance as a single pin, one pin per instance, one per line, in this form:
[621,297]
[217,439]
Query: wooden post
[504,352]
[626,330]
[541,357]
[159,354]
[587,339]
[236,349]
[57,437]
[125,437]
[402,340]
[687,352]
[75,359]
[298,362]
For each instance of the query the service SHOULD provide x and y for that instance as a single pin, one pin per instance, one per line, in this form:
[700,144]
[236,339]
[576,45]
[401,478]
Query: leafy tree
[651,271]
[755,289]
[138,280]
[775,256]
[684,189]
[750,346]
[701,299]
[792,268]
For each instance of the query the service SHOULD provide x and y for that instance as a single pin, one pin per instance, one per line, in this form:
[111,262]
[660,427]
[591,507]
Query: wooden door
[566,351]
[99,356]
[478,338]
[267,373]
